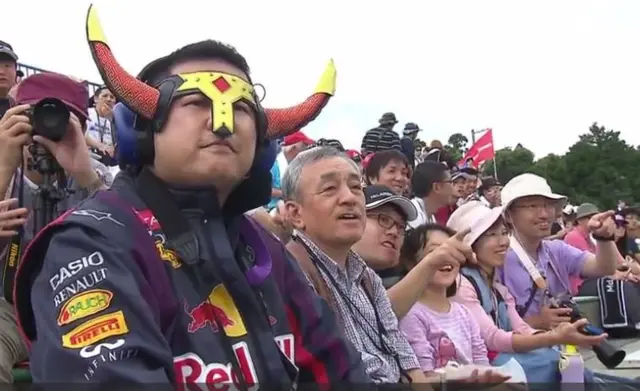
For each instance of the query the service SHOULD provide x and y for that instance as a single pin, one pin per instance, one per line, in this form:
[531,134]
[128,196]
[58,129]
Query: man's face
[532,216]
[188,152]
[492,195]
[395,176]
[632,222]
[382,239]
[105,99]
[471,185]
[443,191]
[7,74]
[330,204]
[458,187]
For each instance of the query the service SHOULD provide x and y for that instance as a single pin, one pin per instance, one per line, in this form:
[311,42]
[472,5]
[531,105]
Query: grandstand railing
[29,70]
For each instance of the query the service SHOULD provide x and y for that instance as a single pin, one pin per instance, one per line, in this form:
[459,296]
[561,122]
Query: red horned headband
[143,99]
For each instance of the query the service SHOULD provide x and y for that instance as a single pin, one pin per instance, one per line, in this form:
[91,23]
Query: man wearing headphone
[163,279]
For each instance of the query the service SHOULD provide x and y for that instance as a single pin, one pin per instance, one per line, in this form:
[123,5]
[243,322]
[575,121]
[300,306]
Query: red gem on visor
[221,84]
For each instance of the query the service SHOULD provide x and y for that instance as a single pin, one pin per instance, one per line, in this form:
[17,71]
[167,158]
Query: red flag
[480,152]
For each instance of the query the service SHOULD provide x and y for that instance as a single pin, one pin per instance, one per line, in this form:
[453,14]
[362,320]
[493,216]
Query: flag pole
[495,168]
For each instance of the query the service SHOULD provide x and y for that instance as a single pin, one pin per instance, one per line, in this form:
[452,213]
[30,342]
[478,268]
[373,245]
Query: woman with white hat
[493,307]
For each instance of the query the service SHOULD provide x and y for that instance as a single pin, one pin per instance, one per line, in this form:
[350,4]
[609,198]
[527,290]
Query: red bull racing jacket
[101,299]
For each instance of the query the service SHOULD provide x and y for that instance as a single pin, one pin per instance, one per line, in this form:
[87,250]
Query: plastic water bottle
[572,368]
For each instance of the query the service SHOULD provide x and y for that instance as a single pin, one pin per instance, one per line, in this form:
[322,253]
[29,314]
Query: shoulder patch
[84,304]
[96,330]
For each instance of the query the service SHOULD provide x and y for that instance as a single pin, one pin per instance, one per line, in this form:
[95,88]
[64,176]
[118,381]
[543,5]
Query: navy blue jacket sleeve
[93,320]
[323,354]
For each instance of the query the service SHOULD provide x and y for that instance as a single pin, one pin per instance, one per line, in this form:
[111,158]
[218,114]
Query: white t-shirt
[99,128]
[423,217]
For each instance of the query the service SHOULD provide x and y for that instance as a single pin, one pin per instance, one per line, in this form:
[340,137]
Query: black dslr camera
[49,118]
[608,354]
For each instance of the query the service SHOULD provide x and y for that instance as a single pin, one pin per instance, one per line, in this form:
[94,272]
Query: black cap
[489,181]
[469,171]
[378,195]
[411,127]
[7,50]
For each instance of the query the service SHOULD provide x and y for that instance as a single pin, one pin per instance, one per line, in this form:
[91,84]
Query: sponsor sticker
[168,255]
[96,330]
[218,308]
[75,267]
[81,284]
[95,350]
[84,304]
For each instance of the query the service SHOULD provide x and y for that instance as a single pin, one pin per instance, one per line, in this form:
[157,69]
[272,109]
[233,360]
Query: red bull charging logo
[218,309]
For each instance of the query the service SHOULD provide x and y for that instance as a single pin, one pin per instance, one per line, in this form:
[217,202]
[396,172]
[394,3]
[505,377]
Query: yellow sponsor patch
[84,304]
[168,255]
[96,330]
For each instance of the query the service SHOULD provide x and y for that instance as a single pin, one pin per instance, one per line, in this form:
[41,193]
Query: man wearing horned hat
[163,278]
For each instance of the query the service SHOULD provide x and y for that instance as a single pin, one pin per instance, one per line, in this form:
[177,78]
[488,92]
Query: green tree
[457,146]
[602,168]
[510,163]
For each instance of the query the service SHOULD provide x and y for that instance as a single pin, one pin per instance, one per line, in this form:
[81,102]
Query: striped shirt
[380,139]
[356,311]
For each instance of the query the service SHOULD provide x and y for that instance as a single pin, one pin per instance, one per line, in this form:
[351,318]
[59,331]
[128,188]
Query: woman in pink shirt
[489,238]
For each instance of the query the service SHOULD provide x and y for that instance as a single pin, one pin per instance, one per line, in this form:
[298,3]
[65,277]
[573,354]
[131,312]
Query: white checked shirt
[359,323]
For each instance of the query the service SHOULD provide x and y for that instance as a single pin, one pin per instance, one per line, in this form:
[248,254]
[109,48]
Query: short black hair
[425,176]
[159,69]
[380,160]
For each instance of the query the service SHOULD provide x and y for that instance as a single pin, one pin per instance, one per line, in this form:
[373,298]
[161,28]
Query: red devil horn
[286,121]
[138,96]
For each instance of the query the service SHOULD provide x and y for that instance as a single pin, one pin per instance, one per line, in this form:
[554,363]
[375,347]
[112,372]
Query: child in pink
[441,331]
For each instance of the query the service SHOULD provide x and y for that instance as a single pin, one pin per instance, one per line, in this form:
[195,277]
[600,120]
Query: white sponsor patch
[75,267]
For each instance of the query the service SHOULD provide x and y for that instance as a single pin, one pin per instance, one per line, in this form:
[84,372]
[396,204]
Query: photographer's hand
[15,133]
[569,334]
[552,317]
[72,153]
[11,219]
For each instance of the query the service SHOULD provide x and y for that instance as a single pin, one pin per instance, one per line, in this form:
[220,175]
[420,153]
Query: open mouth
[349,216]
[388,244]
[446,268]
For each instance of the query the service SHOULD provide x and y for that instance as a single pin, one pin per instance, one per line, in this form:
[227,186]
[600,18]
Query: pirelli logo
[96,330]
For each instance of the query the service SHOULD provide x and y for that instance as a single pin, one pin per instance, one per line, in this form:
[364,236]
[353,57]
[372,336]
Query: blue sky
[537,72]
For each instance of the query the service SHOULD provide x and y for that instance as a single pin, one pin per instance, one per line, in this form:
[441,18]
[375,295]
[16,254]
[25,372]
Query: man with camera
[19,179]
[163,279]
[8,74]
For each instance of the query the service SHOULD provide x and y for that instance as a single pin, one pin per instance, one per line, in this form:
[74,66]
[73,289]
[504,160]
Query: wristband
[601,238]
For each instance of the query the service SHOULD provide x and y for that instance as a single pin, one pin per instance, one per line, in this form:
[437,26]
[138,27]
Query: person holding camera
[100,136]
[181,287]
[19,180]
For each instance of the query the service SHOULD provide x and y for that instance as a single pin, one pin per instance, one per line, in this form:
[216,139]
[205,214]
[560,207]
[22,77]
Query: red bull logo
[191,370]
[218,309]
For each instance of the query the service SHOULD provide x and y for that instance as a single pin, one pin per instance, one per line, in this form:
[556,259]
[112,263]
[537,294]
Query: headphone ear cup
[126,136]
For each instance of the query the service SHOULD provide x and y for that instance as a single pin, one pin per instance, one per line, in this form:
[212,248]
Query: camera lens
[50,119]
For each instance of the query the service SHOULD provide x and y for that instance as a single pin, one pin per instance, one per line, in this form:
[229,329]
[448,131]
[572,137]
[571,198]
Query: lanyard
[14,249]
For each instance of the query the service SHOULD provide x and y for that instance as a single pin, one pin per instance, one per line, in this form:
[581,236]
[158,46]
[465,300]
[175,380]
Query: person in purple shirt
[530,208]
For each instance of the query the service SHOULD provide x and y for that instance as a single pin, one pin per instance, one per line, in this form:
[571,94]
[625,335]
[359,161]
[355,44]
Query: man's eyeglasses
[387,222]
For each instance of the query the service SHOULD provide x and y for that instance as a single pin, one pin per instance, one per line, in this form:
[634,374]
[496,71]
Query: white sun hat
[526,185]
[475,215]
